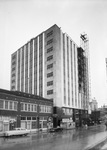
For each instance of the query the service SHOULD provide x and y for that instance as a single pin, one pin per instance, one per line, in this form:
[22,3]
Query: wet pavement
[76,139]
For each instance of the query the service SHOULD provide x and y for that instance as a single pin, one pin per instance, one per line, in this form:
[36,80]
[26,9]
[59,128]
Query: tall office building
[48,66]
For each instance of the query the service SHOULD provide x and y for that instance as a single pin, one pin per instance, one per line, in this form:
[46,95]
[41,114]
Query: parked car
[16,132]
[58,129]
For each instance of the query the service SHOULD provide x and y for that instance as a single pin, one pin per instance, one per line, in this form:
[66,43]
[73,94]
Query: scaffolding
[83,67]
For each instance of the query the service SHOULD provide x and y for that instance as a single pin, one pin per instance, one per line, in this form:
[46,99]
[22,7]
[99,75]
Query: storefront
[29,122]
[67,123]
[7,123]
[43,120]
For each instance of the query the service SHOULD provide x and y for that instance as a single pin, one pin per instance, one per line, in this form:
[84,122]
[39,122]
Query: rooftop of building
[23,94]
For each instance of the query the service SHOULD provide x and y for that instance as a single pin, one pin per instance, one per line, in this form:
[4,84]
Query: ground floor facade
[68,117]
[29,122]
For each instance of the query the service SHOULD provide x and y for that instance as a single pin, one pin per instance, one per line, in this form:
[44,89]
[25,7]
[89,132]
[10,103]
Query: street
[77,139]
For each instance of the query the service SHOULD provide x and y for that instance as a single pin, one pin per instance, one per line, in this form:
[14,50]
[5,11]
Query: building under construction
[83,71]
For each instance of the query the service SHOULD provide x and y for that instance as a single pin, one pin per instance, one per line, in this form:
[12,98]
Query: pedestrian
[86,126]
[106,124]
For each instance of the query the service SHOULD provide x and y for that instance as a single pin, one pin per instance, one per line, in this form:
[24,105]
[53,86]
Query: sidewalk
[98,141]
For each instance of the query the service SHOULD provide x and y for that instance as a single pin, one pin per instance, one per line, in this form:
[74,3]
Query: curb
[97,145]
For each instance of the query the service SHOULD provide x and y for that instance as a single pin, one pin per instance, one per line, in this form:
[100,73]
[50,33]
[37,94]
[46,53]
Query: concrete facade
[48,66]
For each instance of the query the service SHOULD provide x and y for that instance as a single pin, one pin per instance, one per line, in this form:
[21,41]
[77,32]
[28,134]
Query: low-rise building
[18,109]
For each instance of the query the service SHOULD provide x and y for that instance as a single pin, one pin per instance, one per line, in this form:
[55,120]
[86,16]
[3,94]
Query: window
[35,108]
[1,104]
[13,81]
[11,105]
[13,87]
[22,106]
[49,92]
[42,108]
[50,74]
[33,118]
[31,107]
[14,57]
[50,33]
[50,57]
[28,118]
[50,41]
[15,105]
[28,107]
[6,104]
[49,109]
[49,66]
[49,83]
[13,75]
[23,118]
[49,49]
[13,63]
[25,107]
[13,69]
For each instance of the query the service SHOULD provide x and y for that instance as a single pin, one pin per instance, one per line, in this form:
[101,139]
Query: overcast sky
[21,20]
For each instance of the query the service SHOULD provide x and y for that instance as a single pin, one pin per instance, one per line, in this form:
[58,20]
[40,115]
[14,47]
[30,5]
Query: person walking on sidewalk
[106,124]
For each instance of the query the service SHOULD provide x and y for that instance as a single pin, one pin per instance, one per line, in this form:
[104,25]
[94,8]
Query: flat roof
[23,94]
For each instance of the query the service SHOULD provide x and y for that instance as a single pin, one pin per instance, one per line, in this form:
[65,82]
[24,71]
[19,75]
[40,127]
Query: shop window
[44,124]
[34,125]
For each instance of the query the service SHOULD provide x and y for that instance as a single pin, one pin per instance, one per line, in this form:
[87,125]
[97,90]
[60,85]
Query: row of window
[13,69]
[50,74]
[13,63]
[33,108]
[50,33]
[13,81]
[50,57]
[8,105]
[50,41]
[67,111]
[28,107]
[49,83]
[45,109]
[49,92]
[49,66]
[49,49]
[13,75]
[28,118]
[14,57]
